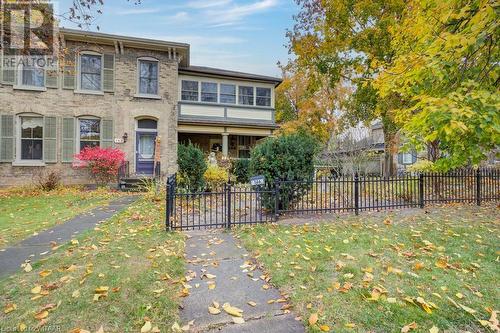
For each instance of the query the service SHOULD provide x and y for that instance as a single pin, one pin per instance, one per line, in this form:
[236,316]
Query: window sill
[147,96]
[28,163]
[30,88]
[89,92]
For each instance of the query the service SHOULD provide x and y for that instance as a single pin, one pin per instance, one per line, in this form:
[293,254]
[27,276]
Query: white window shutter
[6,138]
[108,82]
[52,79]
[69,73]
[50,139]
[8,72]
[68,139]
[106,133]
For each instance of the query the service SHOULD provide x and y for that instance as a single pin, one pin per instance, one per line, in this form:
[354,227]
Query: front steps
[137,183]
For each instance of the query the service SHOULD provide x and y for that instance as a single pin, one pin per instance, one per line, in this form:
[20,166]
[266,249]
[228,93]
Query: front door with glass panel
[145,153]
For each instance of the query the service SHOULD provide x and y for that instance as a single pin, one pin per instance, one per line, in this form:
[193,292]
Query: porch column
[225,144]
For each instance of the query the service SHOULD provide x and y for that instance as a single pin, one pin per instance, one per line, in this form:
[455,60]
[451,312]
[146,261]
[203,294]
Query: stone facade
[121,106]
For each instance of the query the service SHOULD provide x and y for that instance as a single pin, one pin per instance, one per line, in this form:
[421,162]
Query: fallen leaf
[27,267]
[313,319]
[146,327]
[251,303]
[324,328]
[9,308]
[238,320]
[233,311]
[42,315]
[45,273]
[409,327]
[433,329]
[36,290]
[213,310]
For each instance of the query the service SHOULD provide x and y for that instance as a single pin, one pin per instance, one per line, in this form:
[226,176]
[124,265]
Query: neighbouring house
[124,92]
[361,149]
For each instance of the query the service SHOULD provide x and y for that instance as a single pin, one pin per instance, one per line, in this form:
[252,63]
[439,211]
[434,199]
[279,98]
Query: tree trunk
[391,148]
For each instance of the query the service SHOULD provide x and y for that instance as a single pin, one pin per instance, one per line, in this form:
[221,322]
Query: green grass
[448,258]
[24,214]
[131,254]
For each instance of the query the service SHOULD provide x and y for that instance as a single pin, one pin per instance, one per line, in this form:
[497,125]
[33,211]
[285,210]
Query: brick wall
[121,106]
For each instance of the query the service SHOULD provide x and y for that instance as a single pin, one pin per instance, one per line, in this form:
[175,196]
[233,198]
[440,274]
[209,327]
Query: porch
[230,141]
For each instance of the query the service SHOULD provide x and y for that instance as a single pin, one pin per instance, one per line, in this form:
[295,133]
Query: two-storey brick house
[124,92]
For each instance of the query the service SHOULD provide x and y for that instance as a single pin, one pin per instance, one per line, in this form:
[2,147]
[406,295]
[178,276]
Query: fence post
[228,203]
[277,199]
[169,202]
[421,190]
[478,187]
[356,193]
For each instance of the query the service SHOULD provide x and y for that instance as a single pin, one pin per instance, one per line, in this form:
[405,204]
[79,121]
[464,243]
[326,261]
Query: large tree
[346,41]
[304,103]
[446,66]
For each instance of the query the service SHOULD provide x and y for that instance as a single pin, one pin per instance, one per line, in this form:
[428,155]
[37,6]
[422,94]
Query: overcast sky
[243,35]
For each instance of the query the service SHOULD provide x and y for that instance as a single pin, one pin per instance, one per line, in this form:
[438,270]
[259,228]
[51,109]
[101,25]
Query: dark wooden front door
[145,149]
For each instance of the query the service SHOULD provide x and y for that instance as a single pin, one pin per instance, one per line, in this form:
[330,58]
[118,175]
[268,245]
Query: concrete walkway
[237,281]
[39,246]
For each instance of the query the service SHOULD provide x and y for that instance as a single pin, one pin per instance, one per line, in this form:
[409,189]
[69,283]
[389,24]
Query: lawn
[122,276]
[23,214]
[401,272]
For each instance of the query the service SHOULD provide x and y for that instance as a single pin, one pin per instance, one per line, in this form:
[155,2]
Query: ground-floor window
[31,138]
[90,132]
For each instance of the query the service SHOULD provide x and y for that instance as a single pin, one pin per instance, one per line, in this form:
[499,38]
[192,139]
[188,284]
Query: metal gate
[221,208]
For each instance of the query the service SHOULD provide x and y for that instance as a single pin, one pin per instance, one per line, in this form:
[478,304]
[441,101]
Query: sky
[242,35]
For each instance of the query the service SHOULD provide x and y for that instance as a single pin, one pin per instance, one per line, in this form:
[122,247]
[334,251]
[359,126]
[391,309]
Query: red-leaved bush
[103,164]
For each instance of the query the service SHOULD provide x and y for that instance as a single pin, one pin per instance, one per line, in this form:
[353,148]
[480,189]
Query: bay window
[245,96]
[209,92]
[263,96]
[189,90]
[228,93]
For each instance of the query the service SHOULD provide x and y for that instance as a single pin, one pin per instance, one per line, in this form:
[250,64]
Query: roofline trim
[276,81]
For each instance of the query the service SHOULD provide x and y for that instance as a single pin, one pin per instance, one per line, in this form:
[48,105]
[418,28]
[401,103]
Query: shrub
[215,177]
[422,166]
[47,180]
[102,164]
[192,167]
[241,170]
[287,157]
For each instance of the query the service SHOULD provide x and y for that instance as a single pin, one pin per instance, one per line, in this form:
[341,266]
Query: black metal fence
[243,204]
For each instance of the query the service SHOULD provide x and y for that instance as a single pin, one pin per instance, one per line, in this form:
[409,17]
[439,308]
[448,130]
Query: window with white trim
[407,158]
[228,93]
[263,96]
[148,77]
[245,95]
[209,92]
[189,90]
[91,72]
[32,75]
[31,138]
[89,132]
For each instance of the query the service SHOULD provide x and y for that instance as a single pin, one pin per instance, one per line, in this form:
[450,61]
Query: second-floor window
[90,72]
[228,93]
[32,75]
[189,90]
[263,96]
[209,92]
[245,95]
[148,77]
